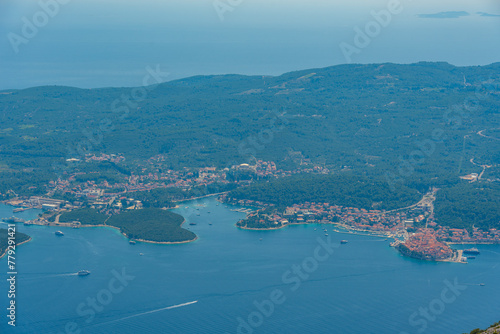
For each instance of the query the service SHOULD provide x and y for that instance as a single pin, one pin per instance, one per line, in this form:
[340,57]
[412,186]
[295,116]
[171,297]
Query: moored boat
[473,251]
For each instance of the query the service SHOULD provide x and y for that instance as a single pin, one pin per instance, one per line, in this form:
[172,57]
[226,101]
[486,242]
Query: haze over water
[100,44]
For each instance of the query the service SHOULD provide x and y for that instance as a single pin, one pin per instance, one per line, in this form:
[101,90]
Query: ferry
[83,273]
[59,233]
[473,251]
[343,242]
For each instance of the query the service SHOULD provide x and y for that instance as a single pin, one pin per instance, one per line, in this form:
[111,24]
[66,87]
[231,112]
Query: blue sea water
[224,282]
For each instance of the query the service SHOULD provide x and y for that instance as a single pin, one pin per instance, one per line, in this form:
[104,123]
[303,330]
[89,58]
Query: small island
[21,238]
[151,225]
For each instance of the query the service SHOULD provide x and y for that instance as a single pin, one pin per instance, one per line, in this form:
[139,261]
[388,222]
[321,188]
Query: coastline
[143,240]
[119,230]
[472,243]
[348,231]
[195,198]
[19,244]
[261,229]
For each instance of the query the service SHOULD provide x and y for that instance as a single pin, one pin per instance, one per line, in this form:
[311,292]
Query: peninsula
[150,225]
[21,238]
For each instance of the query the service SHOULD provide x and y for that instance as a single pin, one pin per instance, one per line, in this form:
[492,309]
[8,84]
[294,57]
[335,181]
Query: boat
[471,257]
[473,251]
[13,220]
[20,210]
[59,233]
[132,242]
[343,242]
[209,223]
[326,234]
[83,273]
[482,284]
[141,254]
[192,223]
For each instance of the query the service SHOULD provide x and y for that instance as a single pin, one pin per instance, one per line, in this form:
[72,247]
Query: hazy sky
[90,43]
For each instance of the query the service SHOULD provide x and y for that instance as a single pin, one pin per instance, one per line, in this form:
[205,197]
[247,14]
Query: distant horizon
[109,43]
[250,75]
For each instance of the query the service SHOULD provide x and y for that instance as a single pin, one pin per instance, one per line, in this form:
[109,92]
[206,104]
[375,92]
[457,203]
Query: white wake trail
[148,312]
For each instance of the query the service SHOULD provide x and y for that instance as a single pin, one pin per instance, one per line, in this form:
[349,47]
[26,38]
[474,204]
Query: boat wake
[148,312]
[41,276]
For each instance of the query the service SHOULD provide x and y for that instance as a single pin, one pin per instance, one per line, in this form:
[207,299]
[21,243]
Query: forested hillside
[414,126]
[369,117]
[343,190]
[469,204]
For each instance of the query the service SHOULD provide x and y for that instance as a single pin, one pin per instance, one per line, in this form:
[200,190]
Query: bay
[224,282]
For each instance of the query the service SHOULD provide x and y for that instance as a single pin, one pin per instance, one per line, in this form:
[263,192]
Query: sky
[90,43]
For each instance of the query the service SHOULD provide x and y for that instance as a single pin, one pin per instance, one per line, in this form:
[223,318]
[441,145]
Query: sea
[291,280]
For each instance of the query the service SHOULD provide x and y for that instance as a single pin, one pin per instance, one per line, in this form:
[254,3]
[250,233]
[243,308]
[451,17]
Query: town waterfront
[231,279]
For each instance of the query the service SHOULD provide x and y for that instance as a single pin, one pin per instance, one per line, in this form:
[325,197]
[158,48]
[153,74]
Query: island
[152,225]
[21,238]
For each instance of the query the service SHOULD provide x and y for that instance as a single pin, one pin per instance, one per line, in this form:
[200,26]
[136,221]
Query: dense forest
[86,216]
[344,189]
[4,239]
[147,224]
[152,224]
[469,204]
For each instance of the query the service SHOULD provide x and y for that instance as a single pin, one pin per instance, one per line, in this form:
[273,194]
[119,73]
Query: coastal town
[414,227]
